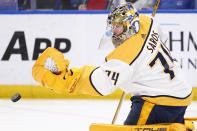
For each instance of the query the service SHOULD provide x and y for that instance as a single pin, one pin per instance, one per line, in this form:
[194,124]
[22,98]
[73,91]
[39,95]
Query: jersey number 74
[164,62]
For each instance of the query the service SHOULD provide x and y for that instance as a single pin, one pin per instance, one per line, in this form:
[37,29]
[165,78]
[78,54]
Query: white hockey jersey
[142,66]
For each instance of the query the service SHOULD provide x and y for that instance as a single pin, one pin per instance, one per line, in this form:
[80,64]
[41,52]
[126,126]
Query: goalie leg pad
[156,127]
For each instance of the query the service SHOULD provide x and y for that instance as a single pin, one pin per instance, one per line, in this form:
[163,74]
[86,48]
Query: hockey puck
[16,97]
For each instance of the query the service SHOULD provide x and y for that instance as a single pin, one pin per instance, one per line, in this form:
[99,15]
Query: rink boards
[24,35]
[38,92]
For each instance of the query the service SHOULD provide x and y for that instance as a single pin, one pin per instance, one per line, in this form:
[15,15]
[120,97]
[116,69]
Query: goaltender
[140,64]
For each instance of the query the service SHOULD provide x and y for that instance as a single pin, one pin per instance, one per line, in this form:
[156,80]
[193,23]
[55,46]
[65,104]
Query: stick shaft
[118,108]
[155,7]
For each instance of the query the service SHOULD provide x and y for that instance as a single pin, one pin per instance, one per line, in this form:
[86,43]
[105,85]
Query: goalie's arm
[94,81]
[86,80]
[101,80]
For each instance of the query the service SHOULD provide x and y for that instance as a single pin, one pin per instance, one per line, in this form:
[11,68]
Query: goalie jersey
[142,66]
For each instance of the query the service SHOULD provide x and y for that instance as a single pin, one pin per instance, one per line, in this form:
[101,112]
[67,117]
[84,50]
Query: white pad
[51,65]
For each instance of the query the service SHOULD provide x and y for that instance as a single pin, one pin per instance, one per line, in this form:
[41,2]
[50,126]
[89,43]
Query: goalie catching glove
[51,70]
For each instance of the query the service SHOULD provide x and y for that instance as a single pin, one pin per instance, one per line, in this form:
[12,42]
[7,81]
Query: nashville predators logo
[143,36]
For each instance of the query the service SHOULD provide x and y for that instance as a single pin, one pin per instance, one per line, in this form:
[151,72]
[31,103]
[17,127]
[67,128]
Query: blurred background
[75,27]
[91,4]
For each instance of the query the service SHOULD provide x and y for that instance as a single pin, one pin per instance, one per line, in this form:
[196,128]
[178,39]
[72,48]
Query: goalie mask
[127,17]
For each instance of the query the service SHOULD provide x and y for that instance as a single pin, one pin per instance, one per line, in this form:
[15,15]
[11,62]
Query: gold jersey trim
[169,100]
[84,85]
[92,82]
[132,47]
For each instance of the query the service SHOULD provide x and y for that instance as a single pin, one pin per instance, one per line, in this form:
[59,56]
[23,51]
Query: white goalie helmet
[126,15]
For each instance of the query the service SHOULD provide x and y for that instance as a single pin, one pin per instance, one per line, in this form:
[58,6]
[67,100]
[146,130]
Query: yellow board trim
[38,92]
[190,118]
[146,110]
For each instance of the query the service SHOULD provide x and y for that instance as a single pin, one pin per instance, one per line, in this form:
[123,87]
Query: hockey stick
[155,8]
[118,108]
[123,94]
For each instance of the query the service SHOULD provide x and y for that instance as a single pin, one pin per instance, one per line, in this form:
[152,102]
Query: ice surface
[63,115]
